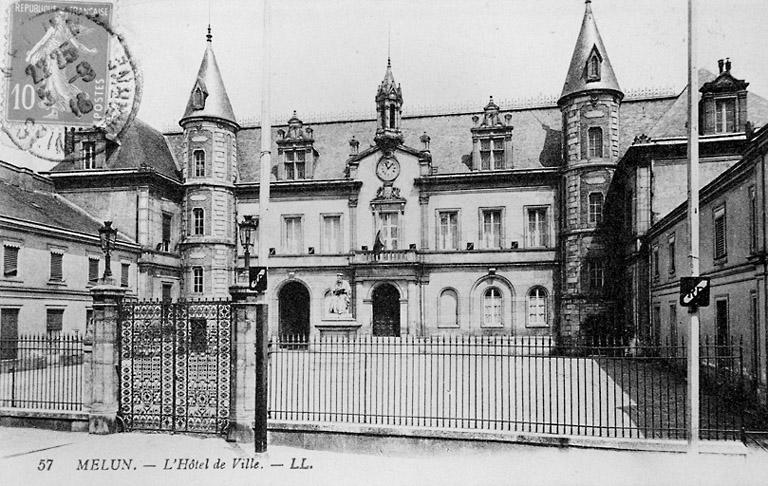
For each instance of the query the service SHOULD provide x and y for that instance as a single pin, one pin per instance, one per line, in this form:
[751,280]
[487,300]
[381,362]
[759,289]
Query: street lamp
[248,227]
[108,237]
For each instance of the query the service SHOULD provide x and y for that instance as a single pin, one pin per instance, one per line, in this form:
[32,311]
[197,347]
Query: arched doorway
[294,311]
[386,310]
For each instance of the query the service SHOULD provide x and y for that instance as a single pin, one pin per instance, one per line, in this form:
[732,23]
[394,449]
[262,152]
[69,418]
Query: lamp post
[108,238]
[247,228]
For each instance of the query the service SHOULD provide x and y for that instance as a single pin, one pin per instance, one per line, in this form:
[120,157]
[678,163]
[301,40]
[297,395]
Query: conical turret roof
[215,102]
[388,85]
[589,41]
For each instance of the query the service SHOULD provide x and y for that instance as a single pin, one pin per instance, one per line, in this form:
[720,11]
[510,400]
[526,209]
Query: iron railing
[42,371]
[605,388]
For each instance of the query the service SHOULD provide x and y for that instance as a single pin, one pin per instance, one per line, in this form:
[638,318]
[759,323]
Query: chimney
[728,64]
[720,63]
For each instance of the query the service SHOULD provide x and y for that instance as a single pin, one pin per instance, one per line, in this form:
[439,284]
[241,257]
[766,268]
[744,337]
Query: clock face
[388,169]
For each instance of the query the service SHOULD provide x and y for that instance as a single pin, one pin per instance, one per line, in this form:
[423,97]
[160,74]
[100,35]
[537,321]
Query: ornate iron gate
[175,361]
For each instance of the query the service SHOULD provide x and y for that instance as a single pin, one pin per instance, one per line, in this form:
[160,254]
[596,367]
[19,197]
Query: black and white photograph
[383,242]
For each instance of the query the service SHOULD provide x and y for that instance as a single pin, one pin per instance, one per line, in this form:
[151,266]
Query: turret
[209,167]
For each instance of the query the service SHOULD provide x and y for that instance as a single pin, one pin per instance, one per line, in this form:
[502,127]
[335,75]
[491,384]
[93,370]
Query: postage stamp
[67,69]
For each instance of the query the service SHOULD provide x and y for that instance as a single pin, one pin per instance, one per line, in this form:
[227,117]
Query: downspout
[762,376]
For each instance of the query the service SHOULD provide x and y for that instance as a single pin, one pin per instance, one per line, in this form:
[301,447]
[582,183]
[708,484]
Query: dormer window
[295,164]
[89,155]
[296,150]
[725,115]
[492,153]
[593,66]
[198,98]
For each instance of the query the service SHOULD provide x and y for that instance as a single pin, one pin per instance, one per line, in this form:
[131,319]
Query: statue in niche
[339,298]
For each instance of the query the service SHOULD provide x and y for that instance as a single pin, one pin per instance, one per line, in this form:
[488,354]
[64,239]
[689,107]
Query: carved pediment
[724,83]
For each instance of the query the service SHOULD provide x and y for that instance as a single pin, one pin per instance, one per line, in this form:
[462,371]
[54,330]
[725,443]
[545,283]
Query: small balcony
[384,257]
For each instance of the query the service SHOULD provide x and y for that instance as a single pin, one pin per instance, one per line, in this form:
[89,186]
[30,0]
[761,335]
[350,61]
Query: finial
[389,62]
[587,1]
[209,36]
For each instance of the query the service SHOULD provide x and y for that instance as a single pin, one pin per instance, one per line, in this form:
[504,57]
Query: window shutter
[720,236]
[56,266]
[10,261]
[709,116]
[124,269]
[93,269]
[54,319]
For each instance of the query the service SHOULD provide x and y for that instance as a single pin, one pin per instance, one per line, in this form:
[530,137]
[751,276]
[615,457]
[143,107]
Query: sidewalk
[148,458]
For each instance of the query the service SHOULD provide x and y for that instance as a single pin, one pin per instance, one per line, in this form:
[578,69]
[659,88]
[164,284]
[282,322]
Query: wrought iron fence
[598,388]
[42,371]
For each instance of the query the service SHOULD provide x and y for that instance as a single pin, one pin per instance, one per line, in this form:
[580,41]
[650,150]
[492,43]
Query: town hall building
[518,220]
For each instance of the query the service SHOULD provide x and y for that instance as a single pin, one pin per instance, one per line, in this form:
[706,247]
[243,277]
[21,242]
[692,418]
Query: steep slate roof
[589,39]
[140,145]
[216,103]
[672,124]
[45,208]
[536,139]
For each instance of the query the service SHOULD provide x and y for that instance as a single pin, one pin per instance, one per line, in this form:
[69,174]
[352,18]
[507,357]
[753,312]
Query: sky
[328,56]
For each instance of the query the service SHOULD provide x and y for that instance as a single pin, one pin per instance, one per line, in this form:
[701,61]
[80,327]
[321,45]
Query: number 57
[45,465]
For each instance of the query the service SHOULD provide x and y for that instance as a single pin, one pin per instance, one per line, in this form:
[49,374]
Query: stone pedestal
[344,326]
[101,360]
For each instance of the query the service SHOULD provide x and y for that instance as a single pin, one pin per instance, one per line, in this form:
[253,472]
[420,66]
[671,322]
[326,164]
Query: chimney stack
[727,63]
[720,64]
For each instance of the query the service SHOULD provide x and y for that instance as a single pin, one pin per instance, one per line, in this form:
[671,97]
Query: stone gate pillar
[101,362]
[245,421]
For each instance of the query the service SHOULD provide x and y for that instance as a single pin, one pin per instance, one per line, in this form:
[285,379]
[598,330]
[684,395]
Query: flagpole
[692,407]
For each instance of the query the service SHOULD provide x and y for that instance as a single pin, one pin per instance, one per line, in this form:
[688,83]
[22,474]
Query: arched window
[492,304]
[594,68]
[392,120]
[199,157]
[448,307]
[537,307]
[596,207]
[198,221]
[595,142]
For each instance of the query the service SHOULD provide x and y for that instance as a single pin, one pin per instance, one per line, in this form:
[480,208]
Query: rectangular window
[538,228]
[198,221]
[485,154]
[10,261]
[293,238]
[752,220]
[89,155]
[655,262]
[199,156]
[725,116]
[56,267]
[9,333]
[54,319]
[671,267]
[721,326]
[332,234]
[596,208]
[389,224]
[498,153]
[197,280]
[167,289]
[595,142]
[721,248]
[125,269]
[596,275]
[448,230]
[490,231]
[295,164]
[166,242]
[93,270]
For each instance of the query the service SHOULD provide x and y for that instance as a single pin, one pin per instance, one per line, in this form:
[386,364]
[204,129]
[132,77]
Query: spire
[388,86]
[208,98]
[389,104]
[590,68]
